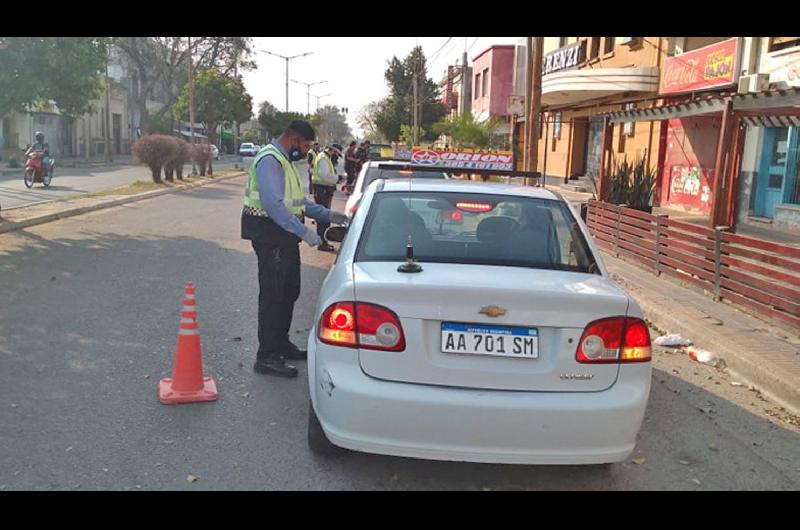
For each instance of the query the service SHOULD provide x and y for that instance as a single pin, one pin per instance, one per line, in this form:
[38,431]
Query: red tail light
[615,340]
[455,216]
[357,324]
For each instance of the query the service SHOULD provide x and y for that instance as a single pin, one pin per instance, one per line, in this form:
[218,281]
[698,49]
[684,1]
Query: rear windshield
[375,173]
[479,229]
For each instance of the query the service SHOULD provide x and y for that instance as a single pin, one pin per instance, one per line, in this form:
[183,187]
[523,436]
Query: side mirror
[335,234]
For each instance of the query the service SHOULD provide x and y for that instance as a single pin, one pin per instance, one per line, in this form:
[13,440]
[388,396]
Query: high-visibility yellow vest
[293,196]
[316,177]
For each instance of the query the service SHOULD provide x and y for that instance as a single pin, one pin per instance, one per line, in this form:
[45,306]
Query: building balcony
[574,86]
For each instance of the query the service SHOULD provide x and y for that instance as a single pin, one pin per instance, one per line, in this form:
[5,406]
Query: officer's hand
[338,218]
[312,238]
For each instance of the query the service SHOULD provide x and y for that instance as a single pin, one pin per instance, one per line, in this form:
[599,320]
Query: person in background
[312,156]
[325,180]
[350,165]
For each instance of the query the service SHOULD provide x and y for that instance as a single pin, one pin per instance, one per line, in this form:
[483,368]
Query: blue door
[777,173]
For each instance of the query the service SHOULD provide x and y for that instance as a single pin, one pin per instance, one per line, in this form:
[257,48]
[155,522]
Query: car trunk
[557,304]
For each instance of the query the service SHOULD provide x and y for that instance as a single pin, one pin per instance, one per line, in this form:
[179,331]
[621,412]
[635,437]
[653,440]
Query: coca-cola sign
[564,58]
[463,158]
[709,67]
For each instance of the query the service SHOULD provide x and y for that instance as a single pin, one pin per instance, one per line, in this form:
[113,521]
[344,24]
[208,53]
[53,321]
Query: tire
[47,179]
[29,176]
[317,441]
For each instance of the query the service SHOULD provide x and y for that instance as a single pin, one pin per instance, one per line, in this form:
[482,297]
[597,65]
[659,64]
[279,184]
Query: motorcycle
[34,170]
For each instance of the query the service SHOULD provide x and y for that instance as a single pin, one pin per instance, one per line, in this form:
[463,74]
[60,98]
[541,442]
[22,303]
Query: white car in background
[247,149]
[511,344]
[386,169]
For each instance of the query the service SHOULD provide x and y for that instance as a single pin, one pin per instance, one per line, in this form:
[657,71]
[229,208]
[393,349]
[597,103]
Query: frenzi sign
[564,58]
[462,158]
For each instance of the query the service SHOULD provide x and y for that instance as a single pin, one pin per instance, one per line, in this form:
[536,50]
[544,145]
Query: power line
[433,55]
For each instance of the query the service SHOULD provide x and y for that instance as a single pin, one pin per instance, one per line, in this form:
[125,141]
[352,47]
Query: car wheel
[317,441]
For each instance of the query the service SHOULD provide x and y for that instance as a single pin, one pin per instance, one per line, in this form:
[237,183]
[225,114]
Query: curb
[766,376]
[10,226]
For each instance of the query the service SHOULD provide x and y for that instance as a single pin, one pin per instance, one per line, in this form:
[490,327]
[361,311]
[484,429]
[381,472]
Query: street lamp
[308,92]
[287,59]
[320,97]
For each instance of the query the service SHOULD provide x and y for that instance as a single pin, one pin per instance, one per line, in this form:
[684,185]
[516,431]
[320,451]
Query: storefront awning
[669,112]
[783,107]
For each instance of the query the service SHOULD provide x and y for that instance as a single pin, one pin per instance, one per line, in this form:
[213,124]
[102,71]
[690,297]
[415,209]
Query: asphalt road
[89,310]
[68,182]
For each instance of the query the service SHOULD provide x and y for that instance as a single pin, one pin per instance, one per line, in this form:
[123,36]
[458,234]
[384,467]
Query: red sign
[709,67]
[463,158]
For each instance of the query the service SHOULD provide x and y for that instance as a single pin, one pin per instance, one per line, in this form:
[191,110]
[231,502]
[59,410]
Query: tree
[331,125]
[396,108]
[273,122]
[217,99]
[466,132]
[67,70]
[160,65]
[366,119]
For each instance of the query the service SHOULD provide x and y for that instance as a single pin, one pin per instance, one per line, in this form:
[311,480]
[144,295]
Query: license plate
[481,339]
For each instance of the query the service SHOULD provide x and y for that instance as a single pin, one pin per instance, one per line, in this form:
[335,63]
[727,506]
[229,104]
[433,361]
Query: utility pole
[308,93]
[533,103]
[236,124]
[287,59]
[191,103]
[108,115]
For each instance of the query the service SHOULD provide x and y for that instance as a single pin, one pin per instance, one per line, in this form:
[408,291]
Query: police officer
[273,220]
[324,179]
[312,155]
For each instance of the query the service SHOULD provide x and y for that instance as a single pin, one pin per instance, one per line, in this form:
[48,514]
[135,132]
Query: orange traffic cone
[187,385]
[189,303]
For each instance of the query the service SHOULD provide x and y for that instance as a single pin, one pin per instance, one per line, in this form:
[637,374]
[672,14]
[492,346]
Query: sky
[352,67]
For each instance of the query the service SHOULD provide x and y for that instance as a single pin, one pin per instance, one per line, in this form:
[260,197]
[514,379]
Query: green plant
[631,183]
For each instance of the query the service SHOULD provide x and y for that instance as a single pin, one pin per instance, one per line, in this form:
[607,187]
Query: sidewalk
[764,355]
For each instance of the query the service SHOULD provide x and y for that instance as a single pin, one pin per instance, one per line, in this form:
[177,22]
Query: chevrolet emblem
[492,311]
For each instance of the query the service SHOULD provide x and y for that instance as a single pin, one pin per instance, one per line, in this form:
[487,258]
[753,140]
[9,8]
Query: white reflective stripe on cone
[188,332]
[187,321]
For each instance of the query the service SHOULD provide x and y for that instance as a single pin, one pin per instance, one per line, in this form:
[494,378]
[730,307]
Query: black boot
[325,247]
[275,367]
[294,353]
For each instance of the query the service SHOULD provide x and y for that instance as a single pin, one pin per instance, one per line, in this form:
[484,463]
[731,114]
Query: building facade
[492,84]
[583,78]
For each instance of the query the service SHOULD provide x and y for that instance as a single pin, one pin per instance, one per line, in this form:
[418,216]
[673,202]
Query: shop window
[781,43]
[562,41]
[780,148]
[477,85]
[557,126]
[485,81]
[608,45]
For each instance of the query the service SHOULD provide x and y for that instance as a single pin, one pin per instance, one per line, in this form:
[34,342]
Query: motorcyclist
[42,147]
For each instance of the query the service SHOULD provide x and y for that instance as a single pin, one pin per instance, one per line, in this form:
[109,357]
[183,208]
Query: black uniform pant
[278,290]
[323,195]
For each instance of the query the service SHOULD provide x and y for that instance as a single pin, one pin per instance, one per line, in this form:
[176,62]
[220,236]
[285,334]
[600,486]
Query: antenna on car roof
[410,265]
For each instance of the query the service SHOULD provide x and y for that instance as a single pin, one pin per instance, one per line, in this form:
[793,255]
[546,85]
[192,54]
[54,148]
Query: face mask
[295,154]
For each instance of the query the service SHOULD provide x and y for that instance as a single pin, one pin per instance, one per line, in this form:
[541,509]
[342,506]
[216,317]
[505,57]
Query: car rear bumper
[365,414]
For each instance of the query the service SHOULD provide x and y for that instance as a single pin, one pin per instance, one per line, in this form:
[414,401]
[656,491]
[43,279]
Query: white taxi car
[501,340]
[384,169]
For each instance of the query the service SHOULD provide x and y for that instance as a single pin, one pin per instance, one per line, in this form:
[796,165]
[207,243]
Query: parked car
[375,169]
[510,344]
[247,149]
